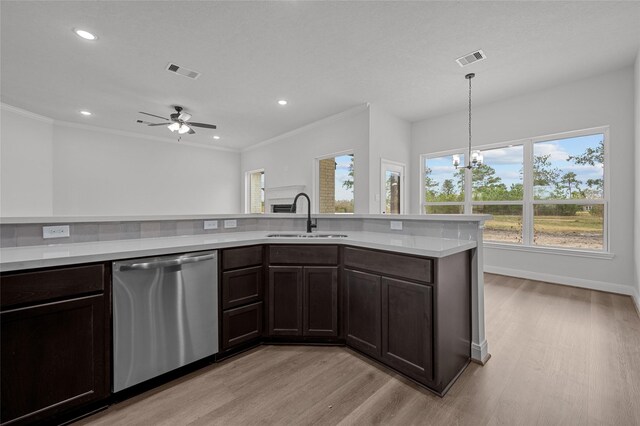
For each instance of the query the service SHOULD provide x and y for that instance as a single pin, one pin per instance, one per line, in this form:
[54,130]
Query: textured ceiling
[323,57]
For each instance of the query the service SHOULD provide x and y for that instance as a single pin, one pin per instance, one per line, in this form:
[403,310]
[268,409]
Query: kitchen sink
[305,235]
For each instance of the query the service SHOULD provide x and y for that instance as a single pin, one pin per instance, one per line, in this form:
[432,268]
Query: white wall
[637,182]
[289,159]
[60,169]
[390,139]
[26,168]
[103,173]
[607,99]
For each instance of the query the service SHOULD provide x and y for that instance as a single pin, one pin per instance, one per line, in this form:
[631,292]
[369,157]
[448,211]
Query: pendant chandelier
[474,159]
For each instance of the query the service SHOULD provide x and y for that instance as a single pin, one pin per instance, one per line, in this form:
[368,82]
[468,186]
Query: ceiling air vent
[470,58]
[183,71]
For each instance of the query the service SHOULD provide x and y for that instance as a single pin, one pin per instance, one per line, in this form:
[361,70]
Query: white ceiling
[323,57]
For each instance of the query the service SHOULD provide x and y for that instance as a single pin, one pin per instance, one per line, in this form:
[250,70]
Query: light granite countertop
[19,258]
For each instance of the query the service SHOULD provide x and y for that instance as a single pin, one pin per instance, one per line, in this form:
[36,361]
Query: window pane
[506,226]
[569,168]
[336,184]
[499,178]
[569,225]
[455,209]
[442,182]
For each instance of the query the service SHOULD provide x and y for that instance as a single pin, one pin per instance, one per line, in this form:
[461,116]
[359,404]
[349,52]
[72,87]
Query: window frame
[528,200]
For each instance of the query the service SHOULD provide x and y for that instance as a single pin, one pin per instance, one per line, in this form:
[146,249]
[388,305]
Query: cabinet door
[320,308]
[241,325]
[53,358]
[285,300]
[363,311]
[407,327]
[241,287]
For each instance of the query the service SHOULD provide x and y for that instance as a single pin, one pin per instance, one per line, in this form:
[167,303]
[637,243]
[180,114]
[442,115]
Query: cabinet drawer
[241,325]
[241,287]
[413,268]
[241,257]
[303,255]
[39,286]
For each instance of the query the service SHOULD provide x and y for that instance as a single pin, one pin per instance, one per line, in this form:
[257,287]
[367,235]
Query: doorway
[392,187]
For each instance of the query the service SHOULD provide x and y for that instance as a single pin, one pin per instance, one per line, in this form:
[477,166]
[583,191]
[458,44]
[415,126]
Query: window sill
[551,250]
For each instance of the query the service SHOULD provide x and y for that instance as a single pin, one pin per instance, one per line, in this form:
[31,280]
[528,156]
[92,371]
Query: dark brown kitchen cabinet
[303,301]
[409,312]
[363,308]
[285,300]
[55,334]
[303,290]
[320,301]
[241,325]
[407,324]
[242,296]
[241,287]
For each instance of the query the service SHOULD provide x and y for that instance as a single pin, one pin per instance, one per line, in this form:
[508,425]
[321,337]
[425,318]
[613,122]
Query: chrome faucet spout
[310,224]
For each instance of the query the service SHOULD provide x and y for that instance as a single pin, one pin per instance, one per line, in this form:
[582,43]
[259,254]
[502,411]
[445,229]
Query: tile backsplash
[17,235]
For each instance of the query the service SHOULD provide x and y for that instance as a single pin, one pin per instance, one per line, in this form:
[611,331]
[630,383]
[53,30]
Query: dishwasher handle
[166,263]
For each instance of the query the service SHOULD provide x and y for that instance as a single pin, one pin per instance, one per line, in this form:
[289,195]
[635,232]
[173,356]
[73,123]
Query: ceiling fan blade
[153,115]
[184,116]
[191,131]
[157,124]
[143,122]
[206,126]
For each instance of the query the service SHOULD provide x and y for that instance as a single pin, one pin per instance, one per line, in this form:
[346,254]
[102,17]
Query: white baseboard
[480,352]
[570,281]
[636,298]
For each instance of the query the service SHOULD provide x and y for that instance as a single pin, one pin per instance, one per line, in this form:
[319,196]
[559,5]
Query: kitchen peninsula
[431,266]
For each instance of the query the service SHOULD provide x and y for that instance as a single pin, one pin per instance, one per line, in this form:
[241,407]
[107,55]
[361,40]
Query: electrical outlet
[210,224]
[396,225]
[58,231]
[232,223]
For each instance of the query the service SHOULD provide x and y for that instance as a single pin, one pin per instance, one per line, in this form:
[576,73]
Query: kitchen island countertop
[29,257]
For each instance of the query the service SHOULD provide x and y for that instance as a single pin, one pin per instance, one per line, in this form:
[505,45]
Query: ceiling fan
[177,122]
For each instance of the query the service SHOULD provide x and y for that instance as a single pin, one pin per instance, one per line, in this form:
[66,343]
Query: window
[568,189]
[444,186]
[335,184]
[542,192]
[255,191]
[497,187]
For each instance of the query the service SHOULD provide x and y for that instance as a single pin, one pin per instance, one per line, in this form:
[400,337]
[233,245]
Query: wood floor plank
[560,356]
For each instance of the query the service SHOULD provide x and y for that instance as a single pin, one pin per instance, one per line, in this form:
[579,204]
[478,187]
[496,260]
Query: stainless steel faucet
[310,224]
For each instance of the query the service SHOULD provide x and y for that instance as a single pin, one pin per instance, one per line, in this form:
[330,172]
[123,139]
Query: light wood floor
[560,356]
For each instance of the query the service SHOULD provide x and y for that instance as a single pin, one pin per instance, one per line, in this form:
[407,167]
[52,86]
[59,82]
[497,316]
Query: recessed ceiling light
[282,102]
[85,34]
[216,137]
[87,113]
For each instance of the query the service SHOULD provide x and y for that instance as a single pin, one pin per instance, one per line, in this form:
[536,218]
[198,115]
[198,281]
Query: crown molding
[321,122]
[25,113]
[124,133]
[139,136]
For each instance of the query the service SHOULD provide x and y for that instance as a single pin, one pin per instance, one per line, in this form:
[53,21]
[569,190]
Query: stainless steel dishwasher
[165,315]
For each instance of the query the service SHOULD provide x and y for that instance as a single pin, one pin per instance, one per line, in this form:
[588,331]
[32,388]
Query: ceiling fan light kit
[177,122]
